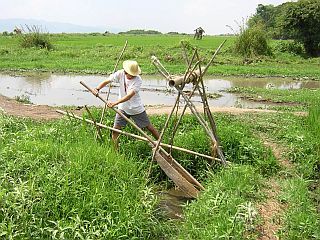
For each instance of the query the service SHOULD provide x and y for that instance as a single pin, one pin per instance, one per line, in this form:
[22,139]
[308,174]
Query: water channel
[65,90]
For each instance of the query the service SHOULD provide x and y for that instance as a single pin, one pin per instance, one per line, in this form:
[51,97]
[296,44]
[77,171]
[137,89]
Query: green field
[89,53]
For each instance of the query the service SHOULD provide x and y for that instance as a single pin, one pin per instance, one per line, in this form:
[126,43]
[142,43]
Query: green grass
[57,182]
[301,218]
[225,210]
[97,54]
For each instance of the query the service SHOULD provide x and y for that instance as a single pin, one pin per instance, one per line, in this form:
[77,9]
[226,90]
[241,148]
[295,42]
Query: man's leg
[153,131]
[115,137]
[142,120]
[119,123]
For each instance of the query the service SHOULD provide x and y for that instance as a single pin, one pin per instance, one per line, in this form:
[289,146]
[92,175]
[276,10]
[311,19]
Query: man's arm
[100,86]
[121,100]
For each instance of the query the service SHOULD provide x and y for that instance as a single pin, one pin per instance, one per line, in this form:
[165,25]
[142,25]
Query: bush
[36,38]
[290,47]
[302,19]
[252,42]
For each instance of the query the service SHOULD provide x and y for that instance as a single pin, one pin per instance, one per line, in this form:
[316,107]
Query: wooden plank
[175,176]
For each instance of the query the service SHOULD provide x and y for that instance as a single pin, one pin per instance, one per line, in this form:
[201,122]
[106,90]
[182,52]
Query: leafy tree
[302,21]
[270,17]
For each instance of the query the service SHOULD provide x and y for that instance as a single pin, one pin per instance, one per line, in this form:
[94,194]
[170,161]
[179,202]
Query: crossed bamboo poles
[192,75]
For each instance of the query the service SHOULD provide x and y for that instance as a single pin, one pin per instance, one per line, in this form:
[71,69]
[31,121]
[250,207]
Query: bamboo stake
[114,70]
[94,123]
[164,128]
[182,113]
[207,111]
[213,57]
[195,112]
[185,55]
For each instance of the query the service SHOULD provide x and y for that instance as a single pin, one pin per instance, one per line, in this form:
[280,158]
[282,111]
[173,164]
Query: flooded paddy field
[65,90]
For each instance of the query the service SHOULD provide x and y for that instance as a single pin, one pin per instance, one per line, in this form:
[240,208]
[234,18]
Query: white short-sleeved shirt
[134,105]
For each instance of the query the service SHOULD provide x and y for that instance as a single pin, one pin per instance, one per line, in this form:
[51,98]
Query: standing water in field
[65,90]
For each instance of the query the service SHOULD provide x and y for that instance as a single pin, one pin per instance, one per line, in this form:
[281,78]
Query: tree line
[298,20]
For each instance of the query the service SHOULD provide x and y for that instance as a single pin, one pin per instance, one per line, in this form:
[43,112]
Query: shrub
[290,47]
[252,42]
[36,38]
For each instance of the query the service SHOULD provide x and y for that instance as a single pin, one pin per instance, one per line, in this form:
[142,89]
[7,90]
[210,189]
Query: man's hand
[96,91]
[111,104]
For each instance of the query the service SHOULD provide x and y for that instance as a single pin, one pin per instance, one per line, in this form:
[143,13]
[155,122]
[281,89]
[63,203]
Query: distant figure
[17,31]
[198,33]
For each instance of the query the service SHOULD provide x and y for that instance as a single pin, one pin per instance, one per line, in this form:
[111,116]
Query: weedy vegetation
[35,37]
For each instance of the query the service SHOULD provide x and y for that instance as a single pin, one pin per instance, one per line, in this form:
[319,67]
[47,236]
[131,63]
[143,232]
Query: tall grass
[300,188]
[57,184]
[314,118]
[35,37]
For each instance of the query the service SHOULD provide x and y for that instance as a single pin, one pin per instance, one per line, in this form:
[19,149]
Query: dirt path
[38,112]
[271,211]
[44,112]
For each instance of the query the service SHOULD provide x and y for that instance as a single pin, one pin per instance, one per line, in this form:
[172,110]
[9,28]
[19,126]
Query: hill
[52,27]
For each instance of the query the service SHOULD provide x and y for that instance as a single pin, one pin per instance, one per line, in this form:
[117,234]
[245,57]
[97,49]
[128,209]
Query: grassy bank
[98,54]
[287,99]
[58,184]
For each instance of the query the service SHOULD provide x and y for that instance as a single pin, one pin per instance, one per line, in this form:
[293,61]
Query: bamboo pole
[164,129]
[213,57]
[137,136]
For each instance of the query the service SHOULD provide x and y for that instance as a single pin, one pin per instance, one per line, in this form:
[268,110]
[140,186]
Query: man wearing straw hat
[129,101]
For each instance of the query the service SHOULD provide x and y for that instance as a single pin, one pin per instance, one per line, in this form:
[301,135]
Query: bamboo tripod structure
[192,75]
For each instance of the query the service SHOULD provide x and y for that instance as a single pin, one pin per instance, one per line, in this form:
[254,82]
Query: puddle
[171,204]
[59,90]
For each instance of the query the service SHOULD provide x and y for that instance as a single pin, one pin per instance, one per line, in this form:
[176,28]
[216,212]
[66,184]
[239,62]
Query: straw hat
[131,67]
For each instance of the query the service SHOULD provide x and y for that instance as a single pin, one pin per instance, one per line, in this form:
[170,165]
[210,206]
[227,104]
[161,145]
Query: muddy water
[171,203]
[58,90]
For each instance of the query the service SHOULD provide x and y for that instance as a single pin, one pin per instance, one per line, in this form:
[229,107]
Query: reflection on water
[58,90]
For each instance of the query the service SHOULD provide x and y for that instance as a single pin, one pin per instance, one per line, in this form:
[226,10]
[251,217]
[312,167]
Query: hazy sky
[165,15]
